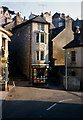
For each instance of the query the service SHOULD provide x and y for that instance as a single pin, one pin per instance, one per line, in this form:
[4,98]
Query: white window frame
[40,55]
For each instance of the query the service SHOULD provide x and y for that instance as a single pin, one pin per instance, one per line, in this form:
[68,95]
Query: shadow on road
[21,109]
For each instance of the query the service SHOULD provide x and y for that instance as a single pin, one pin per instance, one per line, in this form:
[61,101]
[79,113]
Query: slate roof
[56,31]
[74,43]
[37,19]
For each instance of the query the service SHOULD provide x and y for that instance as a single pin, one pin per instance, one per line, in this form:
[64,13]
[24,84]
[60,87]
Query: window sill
[73,63]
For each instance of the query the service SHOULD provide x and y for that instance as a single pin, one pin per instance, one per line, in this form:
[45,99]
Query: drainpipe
[6,76]
[66,69]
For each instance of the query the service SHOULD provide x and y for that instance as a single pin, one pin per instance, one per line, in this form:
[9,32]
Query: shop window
[40,73]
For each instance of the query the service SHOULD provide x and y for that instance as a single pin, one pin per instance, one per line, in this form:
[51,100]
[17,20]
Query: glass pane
[42,37]
[37,55]
[42,55]
[73,56]
[42,27]
[37,37]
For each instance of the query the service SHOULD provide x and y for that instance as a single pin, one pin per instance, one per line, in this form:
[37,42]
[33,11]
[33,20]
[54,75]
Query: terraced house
[74,61]
[4,38]
[29,49]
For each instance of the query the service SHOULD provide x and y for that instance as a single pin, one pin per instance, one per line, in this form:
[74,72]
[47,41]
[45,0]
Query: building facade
[5,16]
[30,45]
[58,19]
[4,38]
[74,63]
[60,39]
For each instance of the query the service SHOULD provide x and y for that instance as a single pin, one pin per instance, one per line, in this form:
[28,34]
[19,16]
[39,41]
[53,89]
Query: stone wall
[58,43]
[73,83]
[20,47]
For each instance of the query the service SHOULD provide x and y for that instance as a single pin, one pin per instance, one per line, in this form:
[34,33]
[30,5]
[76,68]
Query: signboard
[3,61]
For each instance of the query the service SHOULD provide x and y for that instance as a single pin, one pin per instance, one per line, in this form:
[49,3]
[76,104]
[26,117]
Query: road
[35,103]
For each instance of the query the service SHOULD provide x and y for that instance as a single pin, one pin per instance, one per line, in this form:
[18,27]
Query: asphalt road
[30,102]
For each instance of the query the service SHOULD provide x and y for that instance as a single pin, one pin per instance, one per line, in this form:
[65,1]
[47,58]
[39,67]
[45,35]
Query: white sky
[69,7]
[41,0]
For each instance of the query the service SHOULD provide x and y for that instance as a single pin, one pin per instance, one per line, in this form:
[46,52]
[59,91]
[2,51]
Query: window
[45,38]
[73,73]
[42,37]
[37,37]
[42,27]
[42,55]
[37,55]
[1,12]
[73,56]
[3,47]
[38,26]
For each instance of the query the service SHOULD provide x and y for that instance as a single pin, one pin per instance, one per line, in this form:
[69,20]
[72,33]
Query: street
[39,103]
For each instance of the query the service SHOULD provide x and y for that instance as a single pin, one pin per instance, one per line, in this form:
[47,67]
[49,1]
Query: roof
[74,43]
[5,31]
[56,31]
[37,19]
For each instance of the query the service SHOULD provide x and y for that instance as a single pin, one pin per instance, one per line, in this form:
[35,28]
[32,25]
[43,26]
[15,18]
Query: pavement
[3,94]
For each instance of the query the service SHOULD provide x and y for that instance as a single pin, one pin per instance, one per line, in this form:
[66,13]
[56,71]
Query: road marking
[64,100]
[51,107]
[56,104]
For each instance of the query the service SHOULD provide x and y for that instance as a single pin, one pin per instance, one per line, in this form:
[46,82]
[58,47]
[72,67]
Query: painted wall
[39,46]
[60,41]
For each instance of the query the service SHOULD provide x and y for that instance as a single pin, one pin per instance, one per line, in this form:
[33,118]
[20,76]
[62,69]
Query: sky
[25,7]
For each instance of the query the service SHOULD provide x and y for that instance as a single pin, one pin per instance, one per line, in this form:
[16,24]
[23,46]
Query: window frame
[43,55]
[37,55]
[37,41]
[73,56]
[42,27]
[42,33]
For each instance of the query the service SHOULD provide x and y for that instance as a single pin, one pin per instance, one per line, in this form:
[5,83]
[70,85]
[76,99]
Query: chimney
[68,23]
[24,18]
[42,14]
[76,31]
[81,35]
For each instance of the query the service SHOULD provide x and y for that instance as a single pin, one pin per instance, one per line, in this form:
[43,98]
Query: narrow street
[35,103]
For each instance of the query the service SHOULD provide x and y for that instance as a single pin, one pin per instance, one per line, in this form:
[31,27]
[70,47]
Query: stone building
[74,62]
[60,36]
[30,49]
[4,39]
[58,19]
[47,16]
[15,21]
[5,15]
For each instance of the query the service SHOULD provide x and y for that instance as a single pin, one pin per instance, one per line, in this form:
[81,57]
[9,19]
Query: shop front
[40,73]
